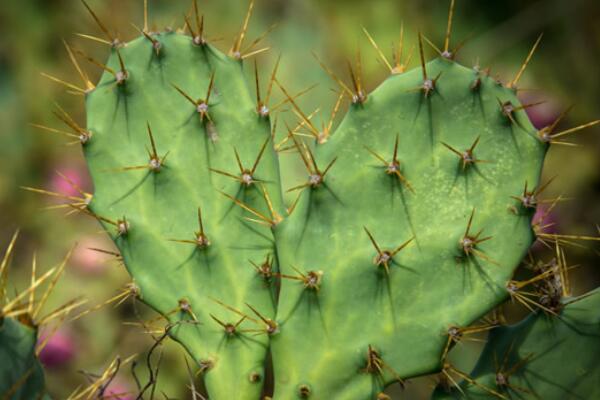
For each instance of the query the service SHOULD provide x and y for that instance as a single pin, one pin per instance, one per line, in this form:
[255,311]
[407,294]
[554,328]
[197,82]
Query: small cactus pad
[407,226]
[542,357]
[177,145]
[21,375]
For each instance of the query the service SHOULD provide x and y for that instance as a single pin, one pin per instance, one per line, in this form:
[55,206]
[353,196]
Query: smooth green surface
[21,375]
[162,206]
[561,356]
[324,337]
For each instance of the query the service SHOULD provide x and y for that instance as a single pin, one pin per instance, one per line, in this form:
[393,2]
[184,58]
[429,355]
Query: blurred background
[563,72]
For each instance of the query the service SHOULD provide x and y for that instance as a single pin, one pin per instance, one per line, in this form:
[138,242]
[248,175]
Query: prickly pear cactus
[176,145]
[21,375]
[412,219]
[405,228]
[541,357]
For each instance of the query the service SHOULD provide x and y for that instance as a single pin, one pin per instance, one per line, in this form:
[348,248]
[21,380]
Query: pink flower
[73,178]
[58,351]
[118,390]
[91,261]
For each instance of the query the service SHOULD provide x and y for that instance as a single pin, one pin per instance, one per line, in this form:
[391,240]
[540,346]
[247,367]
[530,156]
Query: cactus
[21,375]
[21,317]
[411,229]
[414,215]
[176,143]
[540,357]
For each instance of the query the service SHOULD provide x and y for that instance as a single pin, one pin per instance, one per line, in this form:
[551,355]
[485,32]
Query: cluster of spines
[28,309]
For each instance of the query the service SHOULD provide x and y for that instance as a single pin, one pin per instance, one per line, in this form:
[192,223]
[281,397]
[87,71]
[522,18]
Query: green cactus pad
[150,209]
[368,325]
[21,375]
[543,357]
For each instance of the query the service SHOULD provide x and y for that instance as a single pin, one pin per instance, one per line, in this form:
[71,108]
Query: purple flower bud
[58,350]
[541,115]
